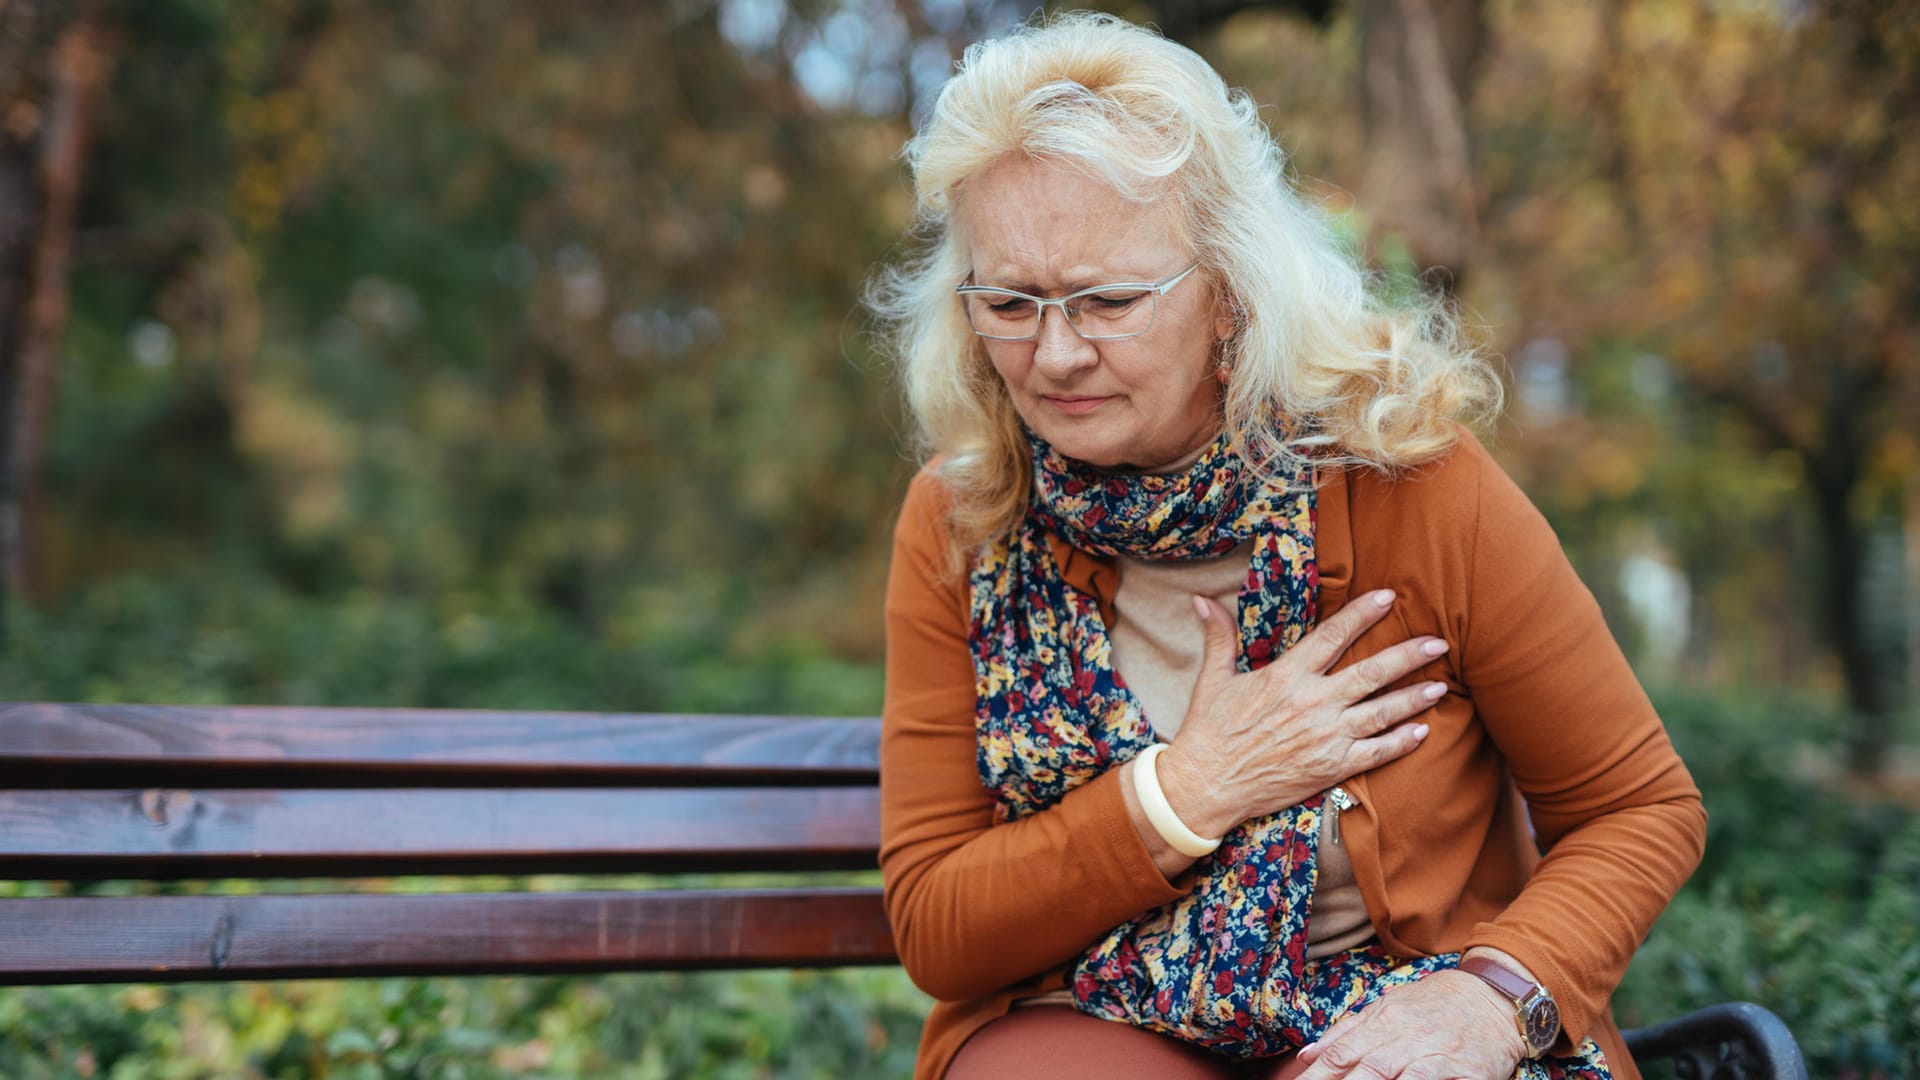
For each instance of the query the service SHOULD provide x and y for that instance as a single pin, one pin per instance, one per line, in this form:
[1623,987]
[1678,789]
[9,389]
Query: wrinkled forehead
[1027,221]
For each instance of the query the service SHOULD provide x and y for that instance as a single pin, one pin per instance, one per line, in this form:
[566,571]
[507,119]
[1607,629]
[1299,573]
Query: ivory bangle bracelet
[1146,785]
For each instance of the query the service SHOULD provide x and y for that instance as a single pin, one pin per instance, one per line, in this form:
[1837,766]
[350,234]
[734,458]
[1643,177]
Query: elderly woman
[1233,692]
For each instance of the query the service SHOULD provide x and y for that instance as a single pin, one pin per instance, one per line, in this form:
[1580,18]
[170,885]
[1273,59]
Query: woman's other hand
[1447,1026]
[1256,742]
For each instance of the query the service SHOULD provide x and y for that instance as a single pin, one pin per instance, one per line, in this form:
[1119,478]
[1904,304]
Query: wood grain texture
[216,832]
[55,745]
[182,938]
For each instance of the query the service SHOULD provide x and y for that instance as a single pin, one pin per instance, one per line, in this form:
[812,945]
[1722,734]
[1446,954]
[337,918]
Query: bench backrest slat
[47,745]
[177,938]
[214,832]
[161,793]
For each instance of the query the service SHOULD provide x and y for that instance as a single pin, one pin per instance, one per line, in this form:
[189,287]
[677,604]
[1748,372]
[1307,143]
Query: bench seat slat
[181,938]
[54,745]
[221,832]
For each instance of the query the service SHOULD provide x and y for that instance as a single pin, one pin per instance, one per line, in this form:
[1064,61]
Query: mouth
[1077,404]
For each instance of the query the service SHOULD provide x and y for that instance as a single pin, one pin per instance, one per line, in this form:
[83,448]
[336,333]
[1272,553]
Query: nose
[1059,350]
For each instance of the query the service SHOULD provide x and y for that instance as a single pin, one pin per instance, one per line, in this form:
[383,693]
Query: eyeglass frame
[1159,289]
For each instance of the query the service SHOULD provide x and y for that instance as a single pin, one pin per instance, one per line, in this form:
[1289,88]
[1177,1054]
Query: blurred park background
[509,354]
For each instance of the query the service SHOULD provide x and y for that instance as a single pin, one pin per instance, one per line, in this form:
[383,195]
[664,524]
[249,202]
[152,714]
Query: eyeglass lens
[1107,314]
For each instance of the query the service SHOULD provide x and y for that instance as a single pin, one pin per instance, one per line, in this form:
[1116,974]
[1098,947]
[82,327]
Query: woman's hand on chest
[1253,743]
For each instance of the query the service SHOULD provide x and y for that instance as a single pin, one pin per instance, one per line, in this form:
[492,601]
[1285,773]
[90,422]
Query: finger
[1361,1053]
[1313,1050]
[1338,1031]
[1386,667]
[1344,1050]
[1221,646]
[1377,714]
[1372,753]
[1320,649]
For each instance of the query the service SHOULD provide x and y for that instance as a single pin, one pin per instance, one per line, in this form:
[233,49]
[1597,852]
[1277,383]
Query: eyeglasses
[1101,313]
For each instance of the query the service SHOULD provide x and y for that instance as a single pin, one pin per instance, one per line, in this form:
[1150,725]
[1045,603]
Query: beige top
[1157,647]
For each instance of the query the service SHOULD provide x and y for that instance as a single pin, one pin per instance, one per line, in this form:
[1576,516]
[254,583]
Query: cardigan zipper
[1338,798]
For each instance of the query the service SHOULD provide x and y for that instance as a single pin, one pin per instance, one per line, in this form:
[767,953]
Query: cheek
[1010,363]
[1174,372]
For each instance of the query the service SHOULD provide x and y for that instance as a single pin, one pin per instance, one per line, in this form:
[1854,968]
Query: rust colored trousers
[1059,1042]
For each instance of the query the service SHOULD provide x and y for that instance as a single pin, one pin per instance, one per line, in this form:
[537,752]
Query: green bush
[634,1027]
[1807,902]
[239,640]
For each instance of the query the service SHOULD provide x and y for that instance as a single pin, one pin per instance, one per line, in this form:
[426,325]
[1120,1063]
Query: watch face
[1542,1024]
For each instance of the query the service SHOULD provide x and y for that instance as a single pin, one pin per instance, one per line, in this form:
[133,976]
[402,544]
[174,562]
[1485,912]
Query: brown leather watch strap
[1534,1011]
[1504,979]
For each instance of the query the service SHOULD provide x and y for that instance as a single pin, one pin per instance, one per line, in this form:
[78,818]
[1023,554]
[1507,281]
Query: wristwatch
[1533,1007]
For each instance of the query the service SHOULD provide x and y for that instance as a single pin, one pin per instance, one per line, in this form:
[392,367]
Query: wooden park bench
[169,793]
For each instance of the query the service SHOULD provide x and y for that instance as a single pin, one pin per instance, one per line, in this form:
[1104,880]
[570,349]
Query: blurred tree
[491,304]
[1693,244]
[1185,19]
[54,61]
[1766,243]
[1418,59]
[1417,67]
[499,308]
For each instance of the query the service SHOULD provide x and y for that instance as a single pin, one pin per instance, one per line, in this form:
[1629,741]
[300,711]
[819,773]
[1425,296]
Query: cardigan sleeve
[977,906]
[1615,811]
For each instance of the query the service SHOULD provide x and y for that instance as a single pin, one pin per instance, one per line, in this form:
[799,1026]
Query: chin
[1092,447]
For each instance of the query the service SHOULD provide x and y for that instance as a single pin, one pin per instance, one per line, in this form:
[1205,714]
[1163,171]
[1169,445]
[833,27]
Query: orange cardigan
[1542,704]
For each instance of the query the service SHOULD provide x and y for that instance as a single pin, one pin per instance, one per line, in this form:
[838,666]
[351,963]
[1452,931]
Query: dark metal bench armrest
[1735,1041]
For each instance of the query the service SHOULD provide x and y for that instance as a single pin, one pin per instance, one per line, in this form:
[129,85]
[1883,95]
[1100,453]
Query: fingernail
[1434,647]
[1419,731]
[1434,690]
[1200,606]
[1383,597]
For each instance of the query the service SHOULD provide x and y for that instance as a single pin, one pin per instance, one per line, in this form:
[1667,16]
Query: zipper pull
[1338,798]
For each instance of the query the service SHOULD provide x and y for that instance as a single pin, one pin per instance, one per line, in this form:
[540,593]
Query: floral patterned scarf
[1224,966]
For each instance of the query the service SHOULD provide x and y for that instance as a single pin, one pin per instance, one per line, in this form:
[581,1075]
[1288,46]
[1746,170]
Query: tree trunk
[42,155]
[1843,550]
[1417,67]
[1911,534]
[1181,20]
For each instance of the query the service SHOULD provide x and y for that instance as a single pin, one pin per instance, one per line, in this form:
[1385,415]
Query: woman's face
[1144,402]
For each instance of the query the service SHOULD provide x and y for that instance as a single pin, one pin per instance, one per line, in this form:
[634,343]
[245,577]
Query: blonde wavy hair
[1359,381]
